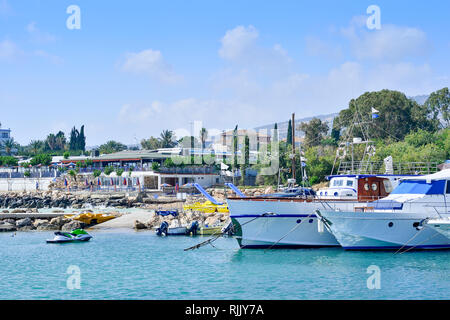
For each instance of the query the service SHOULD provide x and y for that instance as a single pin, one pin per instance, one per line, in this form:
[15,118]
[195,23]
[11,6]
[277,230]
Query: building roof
[135,155]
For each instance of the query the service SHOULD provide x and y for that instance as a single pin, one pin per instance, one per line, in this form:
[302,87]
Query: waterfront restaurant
[142,175]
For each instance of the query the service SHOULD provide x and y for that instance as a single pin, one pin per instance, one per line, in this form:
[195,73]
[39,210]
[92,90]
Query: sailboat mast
[293,145]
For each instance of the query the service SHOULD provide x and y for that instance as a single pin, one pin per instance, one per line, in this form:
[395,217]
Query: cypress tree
[289,133]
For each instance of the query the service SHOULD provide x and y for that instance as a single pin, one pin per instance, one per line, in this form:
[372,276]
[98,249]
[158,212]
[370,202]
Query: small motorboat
[165,230]
[76,235]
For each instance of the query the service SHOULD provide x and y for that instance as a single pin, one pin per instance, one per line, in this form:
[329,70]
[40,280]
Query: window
[338,183]
[387,186]
[349,183]
[448,187]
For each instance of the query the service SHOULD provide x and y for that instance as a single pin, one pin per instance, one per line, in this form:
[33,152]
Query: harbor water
[124,264]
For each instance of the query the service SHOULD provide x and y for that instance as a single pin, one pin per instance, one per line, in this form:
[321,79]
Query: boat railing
[379,167]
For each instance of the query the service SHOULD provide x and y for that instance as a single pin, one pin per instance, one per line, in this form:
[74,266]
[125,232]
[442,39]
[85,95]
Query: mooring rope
[407,242]
[295,227]
[429,238]
[217,236]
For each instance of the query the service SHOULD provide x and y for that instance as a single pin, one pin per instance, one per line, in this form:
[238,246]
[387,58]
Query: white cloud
[318,47]
[39,36]
[52,58]
[9,50]
[237,42]
[390,43]
[150,62]
[5,8]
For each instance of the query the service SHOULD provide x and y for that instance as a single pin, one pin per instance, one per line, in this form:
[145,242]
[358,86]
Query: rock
[5,211]
[39,222]
[268,190]
[26,228]
[73,224]
[10,221]
[211,221]
[57,211]
[23,222]
[7,227]
[18,211]
[139,225]
[59,221]
[47,226]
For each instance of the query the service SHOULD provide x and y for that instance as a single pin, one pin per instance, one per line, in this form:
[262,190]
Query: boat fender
[371,150]
[341,153]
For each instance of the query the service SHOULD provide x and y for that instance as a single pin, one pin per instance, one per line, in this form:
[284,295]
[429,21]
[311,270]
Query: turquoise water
[139,265]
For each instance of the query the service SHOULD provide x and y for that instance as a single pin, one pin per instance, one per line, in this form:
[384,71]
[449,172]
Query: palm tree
[8,145]
[167,139]
[36,146]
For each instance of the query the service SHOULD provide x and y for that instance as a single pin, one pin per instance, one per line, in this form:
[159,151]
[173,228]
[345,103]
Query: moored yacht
[291,222]
[441,225]
[406,219]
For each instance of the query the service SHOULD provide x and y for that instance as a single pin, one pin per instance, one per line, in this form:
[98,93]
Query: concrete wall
[27,184]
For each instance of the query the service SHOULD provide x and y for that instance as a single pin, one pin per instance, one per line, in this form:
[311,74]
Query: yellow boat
[90,217]
[207,207]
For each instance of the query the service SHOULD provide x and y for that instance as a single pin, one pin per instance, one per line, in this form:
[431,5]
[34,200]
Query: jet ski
[76,235]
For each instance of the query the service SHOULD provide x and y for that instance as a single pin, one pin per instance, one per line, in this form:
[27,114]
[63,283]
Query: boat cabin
[359,187]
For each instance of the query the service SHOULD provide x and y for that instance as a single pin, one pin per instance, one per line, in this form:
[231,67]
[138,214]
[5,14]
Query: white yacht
[441,225]
[275,221]
[406,219]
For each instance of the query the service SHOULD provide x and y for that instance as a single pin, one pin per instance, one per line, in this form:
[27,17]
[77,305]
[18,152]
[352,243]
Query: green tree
[289,133]
[66,155]
[438,104]
[167,139]
[8,145]
[111,147]
[81,143]
[314,130]
[398,115]
[36,146]
[41,159]
[151,144]
[74,139]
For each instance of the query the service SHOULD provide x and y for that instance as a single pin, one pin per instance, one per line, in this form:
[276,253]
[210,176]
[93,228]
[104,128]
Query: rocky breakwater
[29,224]
[79,200]
[183,219]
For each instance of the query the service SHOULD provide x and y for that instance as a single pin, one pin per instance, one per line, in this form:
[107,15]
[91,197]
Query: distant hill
[420,99]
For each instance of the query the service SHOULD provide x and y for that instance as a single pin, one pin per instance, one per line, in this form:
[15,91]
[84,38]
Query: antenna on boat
[293,146]
[350,141]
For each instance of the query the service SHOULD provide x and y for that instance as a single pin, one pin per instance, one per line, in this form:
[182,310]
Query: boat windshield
[420,187]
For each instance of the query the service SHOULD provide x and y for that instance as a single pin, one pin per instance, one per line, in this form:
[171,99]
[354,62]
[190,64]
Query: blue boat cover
[420,187]
[387,205]
[167,212]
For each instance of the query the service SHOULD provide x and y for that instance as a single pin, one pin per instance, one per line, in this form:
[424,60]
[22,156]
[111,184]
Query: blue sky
[138,67]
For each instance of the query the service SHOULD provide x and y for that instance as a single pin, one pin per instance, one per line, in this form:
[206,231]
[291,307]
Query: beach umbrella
[124,181]
[99,182]
[165,185]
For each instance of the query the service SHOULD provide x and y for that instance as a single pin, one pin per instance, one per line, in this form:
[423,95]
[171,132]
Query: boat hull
[288,224]
[441,226]
[383,231]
